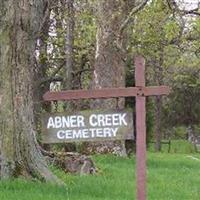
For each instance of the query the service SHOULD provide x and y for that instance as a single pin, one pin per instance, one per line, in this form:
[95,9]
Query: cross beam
[140,92]
[106,93]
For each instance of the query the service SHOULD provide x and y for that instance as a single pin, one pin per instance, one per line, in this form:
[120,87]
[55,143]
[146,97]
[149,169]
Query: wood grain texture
[106,93]
[141,128]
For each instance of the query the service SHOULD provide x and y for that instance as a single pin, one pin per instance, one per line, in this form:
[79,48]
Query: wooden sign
[88,126]
[140,91]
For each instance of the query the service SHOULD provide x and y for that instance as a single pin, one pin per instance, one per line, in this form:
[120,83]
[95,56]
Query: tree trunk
[20,23]
[41,85]
[109,59]
[68,22]
[69,43]
[158,107]
[158,100]
[110,56]
[68,26]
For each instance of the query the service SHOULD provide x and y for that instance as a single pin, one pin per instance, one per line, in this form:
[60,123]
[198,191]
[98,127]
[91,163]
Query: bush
[179,132]
[177,146]
[182,146]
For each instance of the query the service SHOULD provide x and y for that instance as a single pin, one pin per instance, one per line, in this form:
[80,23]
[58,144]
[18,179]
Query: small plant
[179,132]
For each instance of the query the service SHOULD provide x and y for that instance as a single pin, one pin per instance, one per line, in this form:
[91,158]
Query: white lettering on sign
[114,131]
[77,134]
[87,133]
[87,127]
[61,135]
[95,120]
[50,123]
[108,120]
[66,122]
[122,119]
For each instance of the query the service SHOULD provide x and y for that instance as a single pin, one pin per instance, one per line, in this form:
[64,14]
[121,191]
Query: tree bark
[69,43]
[109,67]
[158,107]
[110,55]
[113,20]
[20,24]
[158,100]
[68,26]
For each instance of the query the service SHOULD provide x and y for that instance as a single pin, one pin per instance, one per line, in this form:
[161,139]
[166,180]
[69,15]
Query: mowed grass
[170,177]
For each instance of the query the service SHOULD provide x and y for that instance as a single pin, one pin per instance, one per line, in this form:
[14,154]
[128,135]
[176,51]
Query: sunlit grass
[170,177]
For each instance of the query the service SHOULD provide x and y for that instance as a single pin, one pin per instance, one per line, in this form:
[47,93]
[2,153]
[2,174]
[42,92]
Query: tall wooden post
[140,129]
[140,92]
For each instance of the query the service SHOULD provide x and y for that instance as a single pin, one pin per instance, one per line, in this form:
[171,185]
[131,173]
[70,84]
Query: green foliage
[155,34]
[173,177]
[177,146]
[170,176]
[182,146]
[179,132]
[19,189]
[171,30]
[183,107]
[197,129]
[172,54]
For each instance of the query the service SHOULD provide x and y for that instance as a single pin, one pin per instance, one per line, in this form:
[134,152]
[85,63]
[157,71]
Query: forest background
[92,44]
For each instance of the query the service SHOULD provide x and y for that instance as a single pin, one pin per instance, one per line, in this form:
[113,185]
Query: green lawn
[170,177]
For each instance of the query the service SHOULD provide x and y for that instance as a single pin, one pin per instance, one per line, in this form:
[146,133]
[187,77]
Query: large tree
[113,18]
[21,22]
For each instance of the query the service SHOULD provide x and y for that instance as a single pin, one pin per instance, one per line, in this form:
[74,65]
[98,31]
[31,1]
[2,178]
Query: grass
[170,177]
[177,146]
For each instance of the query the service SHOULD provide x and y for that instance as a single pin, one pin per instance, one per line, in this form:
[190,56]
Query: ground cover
[170,177]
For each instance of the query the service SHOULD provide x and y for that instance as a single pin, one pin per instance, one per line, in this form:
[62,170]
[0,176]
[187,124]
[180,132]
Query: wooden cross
[140,92]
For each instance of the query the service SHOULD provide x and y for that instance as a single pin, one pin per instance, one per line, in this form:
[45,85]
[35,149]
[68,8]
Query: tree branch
[125,23]
[177,39]
[58,69]
[45,18]
[174,6]
[132,12]
[53,77]
[192,12]
[82,71]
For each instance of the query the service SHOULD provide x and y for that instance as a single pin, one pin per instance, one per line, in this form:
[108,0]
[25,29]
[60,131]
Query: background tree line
[96,42]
